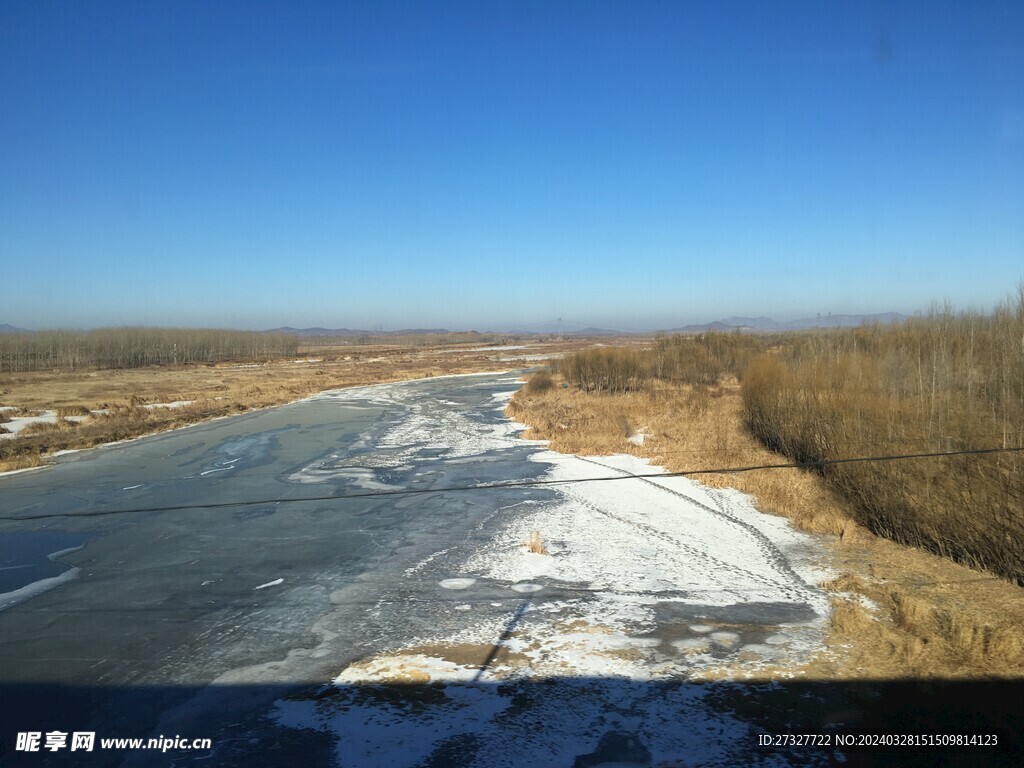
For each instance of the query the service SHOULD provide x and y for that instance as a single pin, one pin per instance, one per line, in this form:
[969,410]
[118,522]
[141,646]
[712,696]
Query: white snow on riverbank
[18,423]
[634,548]
[15,596]
[7,599]
[659,535]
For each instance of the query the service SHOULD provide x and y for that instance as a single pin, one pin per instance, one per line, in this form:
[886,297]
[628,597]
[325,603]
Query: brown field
[929,617]
[215,389]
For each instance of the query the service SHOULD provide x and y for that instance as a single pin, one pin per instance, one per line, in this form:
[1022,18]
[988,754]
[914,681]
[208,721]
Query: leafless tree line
[132,347]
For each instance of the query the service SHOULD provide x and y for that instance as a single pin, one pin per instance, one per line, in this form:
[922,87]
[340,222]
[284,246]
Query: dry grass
[47,428]
[688,428]
[72,410]
[959,629]
[535,545]
[939,383]
[931,617]
[22,462]
[21,411]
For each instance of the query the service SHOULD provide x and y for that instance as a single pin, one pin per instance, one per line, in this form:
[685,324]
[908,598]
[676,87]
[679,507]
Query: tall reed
[941,382]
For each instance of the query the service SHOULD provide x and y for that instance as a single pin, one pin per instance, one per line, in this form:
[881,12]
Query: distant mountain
[755,323]
[717,325]
[571,329]
[735,323]
[5,328]
[314,331]
[591,331]
[766,324]
[354,332]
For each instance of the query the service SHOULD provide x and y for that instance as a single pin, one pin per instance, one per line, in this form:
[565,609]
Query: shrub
[613,370]
[72,410]
[535,544]
[539,382]
[705,359]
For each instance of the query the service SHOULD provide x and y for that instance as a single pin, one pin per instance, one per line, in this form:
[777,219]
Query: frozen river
[208,583]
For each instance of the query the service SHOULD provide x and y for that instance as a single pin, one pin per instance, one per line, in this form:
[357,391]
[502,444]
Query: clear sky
[491,164]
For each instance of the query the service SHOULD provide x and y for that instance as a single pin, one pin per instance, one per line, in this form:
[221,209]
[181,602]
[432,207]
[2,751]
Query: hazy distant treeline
[408,339]
[132,347]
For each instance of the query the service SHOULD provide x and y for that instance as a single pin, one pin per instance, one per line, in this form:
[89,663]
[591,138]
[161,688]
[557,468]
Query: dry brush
[938,383]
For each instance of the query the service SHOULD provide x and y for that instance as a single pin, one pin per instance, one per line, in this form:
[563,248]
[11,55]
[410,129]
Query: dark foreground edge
[853,710]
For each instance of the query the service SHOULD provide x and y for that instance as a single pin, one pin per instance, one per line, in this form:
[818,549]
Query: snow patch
[18,423]
[457,583]
[7,599]
[526,589]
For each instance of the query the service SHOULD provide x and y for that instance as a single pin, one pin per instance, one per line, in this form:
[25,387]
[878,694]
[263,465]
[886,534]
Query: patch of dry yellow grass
[535,544]
[72,410]
[686,429]
[905,635]
[48,427]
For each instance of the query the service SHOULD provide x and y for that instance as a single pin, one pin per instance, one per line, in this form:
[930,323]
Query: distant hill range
[569,329]
[766,324]
[354,331]
[748,324]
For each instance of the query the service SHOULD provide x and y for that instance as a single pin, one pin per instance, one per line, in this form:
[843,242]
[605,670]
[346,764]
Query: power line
[514,484]
[657,452]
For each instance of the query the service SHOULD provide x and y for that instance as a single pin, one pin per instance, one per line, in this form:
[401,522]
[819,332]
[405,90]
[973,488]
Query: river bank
[898,612]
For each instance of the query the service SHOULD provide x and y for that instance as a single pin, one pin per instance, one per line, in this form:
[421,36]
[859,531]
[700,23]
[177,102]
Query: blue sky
[487,165]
